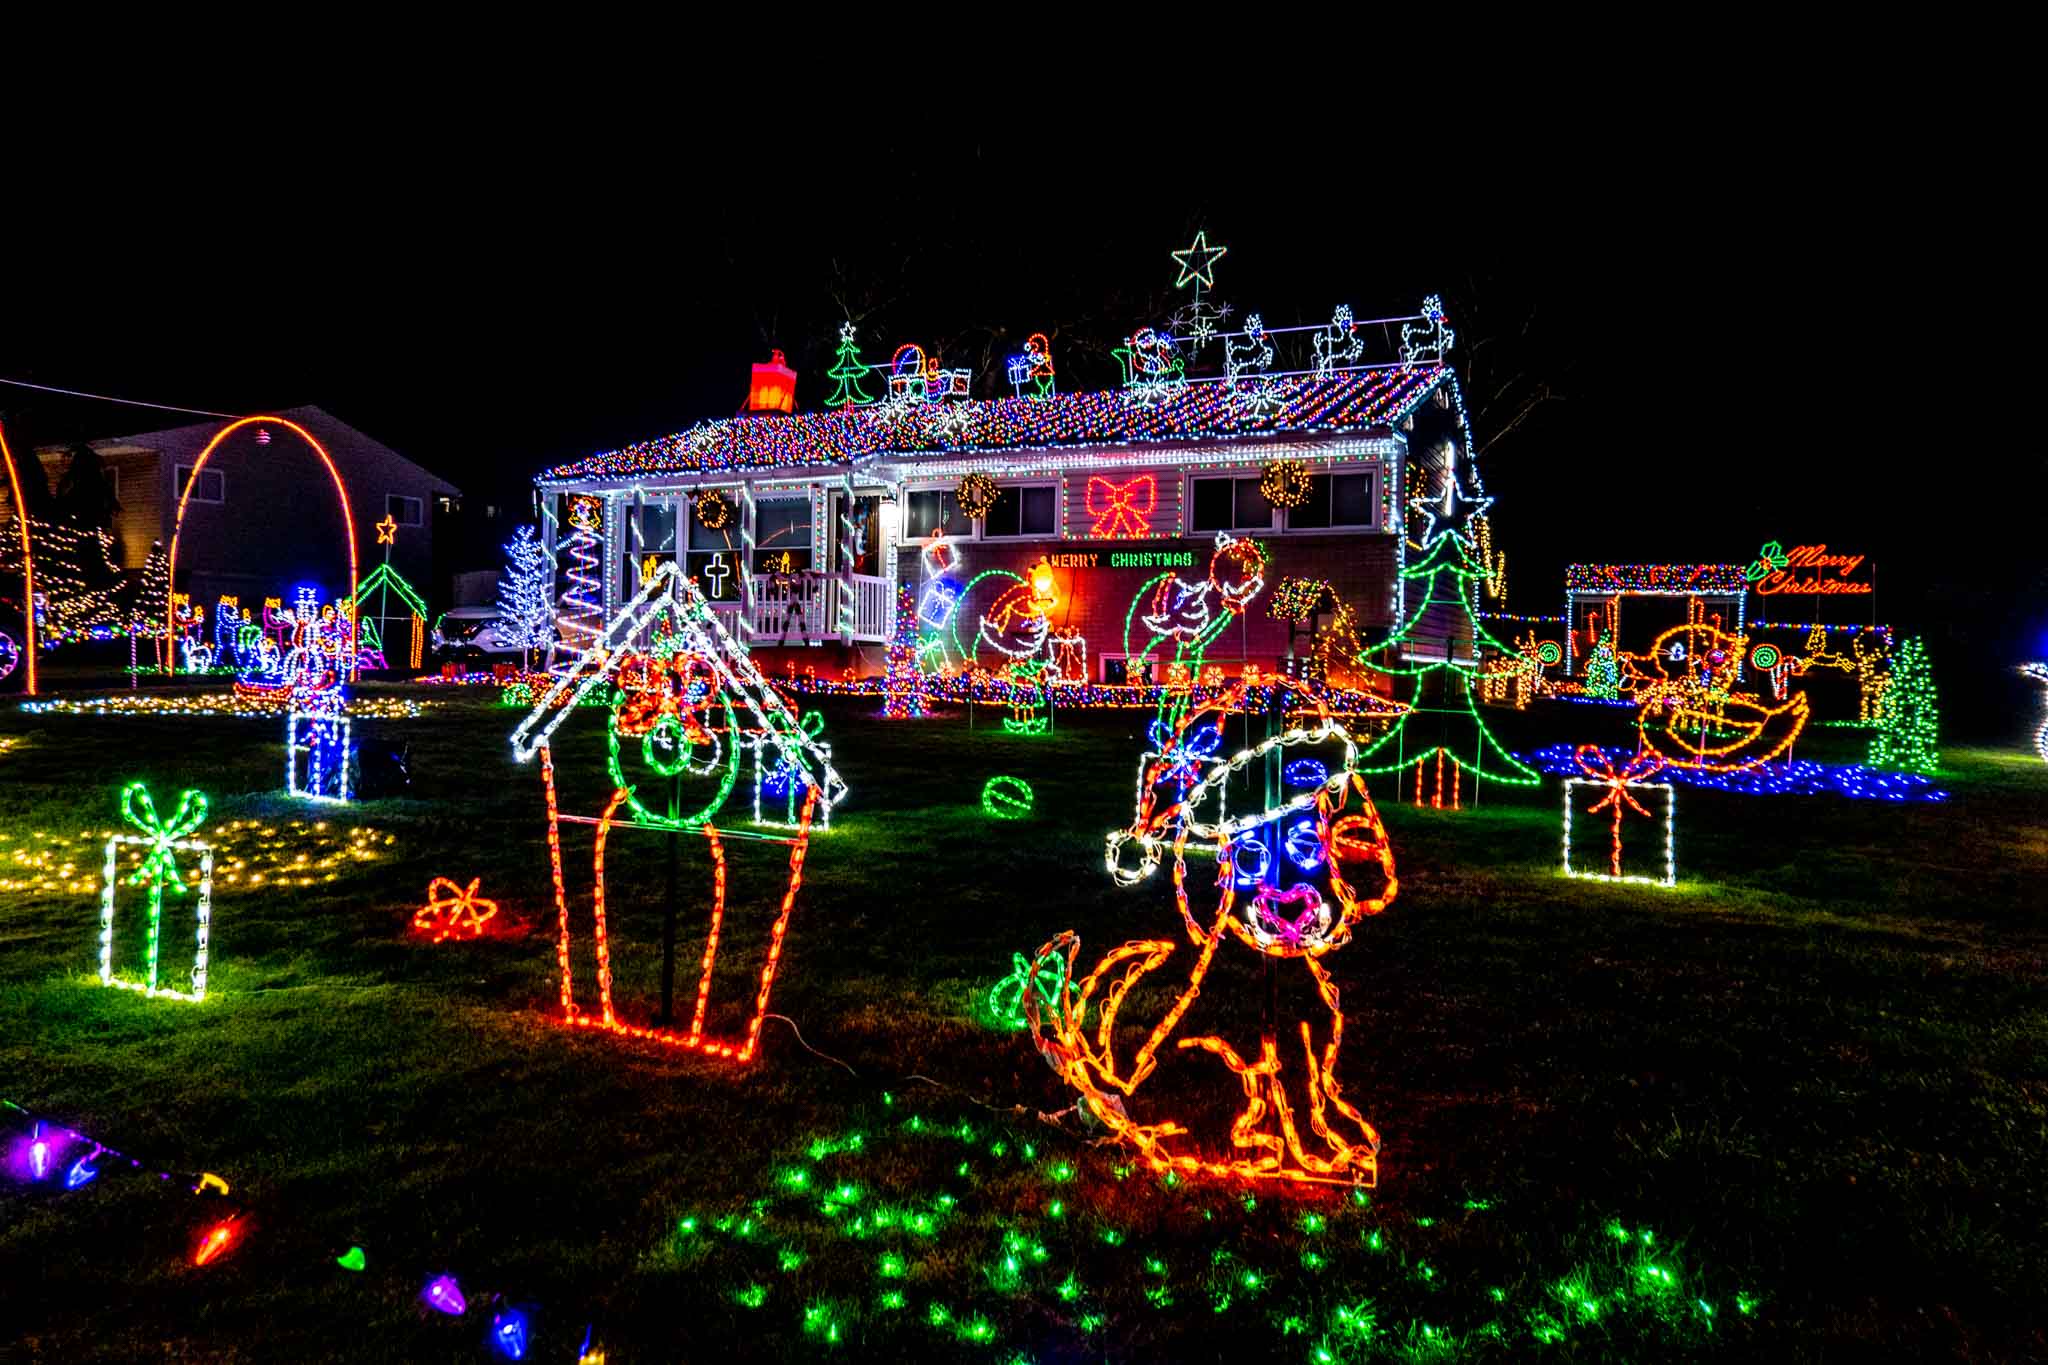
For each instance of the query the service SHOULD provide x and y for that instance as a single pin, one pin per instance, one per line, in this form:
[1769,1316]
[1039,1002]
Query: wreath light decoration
[1285,483]
[713,511]
[976,494]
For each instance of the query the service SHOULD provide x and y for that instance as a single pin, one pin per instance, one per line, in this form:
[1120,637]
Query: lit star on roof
[1198,262]
[387,530]
[1449,512]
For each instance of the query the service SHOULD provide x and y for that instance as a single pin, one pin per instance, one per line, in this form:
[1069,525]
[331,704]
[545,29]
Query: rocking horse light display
[1292,881]
[689,700]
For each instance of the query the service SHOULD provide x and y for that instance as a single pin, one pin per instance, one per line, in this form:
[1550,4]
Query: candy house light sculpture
[674,741]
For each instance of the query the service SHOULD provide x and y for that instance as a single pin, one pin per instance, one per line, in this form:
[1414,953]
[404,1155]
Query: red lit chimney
[774,386]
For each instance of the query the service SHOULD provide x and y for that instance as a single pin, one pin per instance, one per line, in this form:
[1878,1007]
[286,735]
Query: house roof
[319,421]
[1345,401]
[1656,578]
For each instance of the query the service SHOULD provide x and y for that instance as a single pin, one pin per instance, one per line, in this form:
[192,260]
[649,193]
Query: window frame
[980,524]
[1226,476]
[418,505]
[905,536]
[182,478]
[1373,502]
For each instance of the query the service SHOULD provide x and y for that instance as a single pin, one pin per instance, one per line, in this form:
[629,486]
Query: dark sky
[1725,317]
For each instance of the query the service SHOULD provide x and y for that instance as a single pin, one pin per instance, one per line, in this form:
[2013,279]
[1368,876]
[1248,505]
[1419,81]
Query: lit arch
[28,565]
[191,481]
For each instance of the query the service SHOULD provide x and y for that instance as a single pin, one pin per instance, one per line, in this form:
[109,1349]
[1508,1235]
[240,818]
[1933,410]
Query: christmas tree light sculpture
[849,369]
[526,617]
[1442,720]
[1908,719]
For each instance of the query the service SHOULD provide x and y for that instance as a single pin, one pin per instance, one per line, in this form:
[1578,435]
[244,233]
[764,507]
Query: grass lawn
[1795,1107]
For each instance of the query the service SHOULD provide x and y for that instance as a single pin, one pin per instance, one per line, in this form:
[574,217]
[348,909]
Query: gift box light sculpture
[162,840]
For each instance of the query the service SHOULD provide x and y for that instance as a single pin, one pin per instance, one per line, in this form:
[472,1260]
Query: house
[804,526]
[264,514]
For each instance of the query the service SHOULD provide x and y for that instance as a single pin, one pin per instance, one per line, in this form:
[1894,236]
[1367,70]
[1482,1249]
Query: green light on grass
[1121,1172]
[1155,1266]
[1323,1355]
[1425,1222]
[1293,1325]
[1219,1302]
[961,1170]
[1425,1270]
[1171,1180]
[1358,1320]
[892,1299]
[686,1226]
[890,1266]
[978,1330]
[1744,1304]
[753,1296]
[796,1178]
[1159,1296]
[1070,1289]
[1030,1152]
[818,1321]
[846,1194]
[1499,1295]
[1056,1209]
[1312,1260]
[1617,1231]
[938,1315]
[1375,1242]
[1706,1309]
[1656,1276]
[1090,1323]
[1251,1280]
[1313,1223]
[1361,1198]
[998,1147]
[1478,1205]
[1112,1237]
[789,1259]
[945,1201]
[922,1224]
[1545,1328]
[1063,1171]
[1251,1202]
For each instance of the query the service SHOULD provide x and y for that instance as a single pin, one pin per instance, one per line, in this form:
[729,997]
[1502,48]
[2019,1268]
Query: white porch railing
[799,609]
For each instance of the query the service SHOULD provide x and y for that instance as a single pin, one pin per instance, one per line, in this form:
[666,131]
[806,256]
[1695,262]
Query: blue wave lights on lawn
[1796,778]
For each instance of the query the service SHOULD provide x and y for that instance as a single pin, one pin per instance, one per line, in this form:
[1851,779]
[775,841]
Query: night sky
[1721,327]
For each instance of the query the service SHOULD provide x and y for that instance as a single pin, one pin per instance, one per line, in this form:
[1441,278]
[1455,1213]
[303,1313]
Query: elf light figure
[1017,624]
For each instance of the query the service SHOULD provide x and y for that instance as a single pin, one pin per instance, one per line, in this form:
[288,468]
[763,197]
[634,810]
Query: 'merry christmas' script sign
[1804,569]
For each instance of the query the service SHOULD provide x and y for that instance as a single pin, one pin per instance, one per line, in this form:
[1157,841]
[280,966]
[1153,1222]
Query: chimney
[774,386]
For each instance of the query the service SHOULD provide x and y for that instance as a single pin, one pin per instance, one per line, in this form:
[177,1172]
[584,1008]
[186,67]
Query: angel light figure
[1292,881]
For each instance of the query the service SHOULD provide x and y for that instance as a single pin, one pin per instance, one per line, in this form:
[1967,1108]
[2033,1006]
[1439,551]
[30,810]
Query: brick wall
[1096,598]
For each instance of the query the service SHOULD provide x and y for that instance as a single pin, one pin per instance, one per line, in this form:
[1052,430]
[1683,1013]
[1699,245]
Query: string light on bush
[1795,777]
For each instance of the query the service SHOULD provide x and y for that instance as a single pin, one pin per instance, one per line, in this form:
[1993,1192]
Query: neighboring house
[830,511]
[264,515]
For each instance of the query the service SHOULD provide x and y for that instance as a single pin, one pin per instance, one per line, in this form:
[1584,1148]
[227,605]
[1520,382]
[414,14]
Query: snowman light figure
[1292,881]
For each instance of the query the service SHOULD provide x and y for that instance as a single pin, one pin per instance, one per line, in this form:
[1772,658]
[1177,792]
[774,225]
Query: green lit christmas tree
[1603,674]
[849,369]
[1436,651]
[1908,719]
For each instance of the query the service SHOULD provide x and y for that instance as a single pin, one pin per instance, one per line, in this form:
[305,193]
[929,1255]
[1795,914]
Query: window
[713,557]
[1231,505]
[1030,510]
[652,526]
[933,510]
[405,511]
[782,535]
[1335,500]
[450,504]
[210,488]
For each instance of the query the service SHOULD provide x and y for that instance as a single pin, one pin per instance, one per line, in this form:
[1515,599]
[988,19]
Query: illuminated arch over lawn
[192,480]
[28,565]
